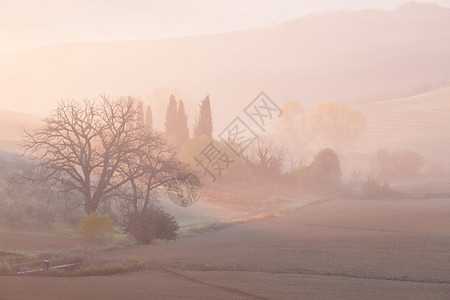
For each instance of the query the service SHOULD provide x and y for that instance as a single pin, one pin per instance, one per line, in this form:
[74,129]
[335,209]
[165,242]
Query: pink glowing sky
[27,24]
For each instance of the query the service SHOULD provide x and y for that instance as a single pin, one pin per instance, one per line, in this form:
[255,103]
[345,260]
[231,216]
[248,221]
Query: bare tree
[296,127]
[266,155]
[401,164]
[339,125]
[153,167]
[82,146]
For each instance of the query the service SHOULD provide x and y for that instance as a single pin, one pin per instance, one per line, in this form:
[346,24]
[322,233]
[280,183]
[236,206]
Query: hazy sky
[31,23]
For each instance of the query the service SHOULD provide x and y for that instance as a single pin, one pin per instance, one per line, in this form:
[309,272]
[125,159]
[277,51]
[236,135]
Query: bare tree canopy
[153,166]
[339,125]
[266,156]
[87,146]
[295,126]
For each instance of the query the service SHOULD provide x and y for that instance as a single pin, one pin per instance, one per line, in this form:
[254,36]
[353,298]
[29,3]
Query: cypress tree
[204,126]
[149,118]
[182,125]
[140,114]
[171,117]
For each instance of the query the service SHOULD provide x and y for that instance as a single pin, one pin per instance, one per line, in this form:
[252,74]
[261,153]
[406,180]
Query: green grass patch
[17,257]
[100,269]
[28,226]
[213,267]
[200,229]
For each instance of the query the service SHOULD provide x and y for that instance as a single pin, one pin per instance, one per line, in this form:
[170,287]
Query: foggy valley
[306,157]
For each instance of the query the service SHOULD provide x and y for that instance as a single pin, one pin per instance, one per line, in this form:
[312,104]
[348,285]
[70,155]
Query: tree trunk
[90,205]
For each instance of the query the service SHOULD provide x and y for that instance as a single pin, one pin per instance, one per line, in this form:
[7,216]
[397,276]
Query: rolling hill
[11,126]
[420,123]
[352,57]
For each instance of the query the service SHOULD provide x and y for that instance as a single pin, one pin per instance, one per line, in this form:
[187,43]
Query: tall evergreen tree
[204,126]
[171,117]
[140,114]
[182,125]
[149,118]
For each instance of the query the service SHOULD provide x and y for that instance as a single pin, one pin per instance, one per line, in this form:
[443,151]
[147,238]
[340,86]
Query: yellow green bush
[96,228]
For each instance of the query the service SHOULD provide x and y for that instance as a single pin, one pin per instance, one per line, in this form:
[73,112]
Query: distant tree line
[107,157]
[176,126]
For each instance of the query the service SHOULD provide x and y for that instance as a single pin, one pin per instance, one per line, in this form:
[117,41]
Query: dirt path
[184,276]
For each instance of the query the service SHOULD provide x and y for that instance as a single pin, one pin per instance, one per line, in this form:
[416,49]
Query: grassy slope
[420,123]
